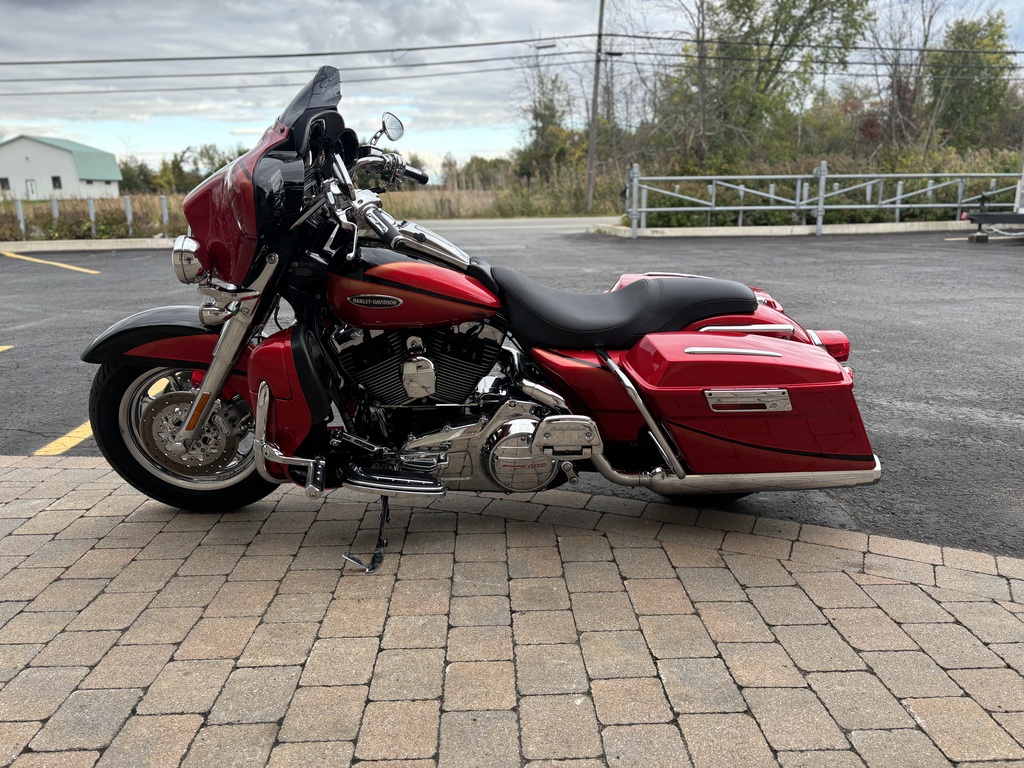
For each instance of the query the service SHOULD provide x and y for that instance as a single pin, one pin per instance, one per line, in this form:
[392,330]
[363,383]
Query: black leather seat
[546,317]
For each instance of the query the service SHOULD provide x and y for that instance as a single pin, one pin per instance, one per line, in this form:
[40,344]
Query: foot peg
[386,483]
[382,543]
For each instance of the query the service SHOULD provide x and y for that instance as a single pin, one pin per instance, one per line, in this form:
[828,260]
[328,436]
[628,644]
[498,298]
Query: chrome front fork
[233,336]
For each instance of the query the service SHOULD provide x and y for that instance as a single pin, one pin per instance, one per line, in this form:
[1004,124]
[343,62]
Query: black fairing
[278,181]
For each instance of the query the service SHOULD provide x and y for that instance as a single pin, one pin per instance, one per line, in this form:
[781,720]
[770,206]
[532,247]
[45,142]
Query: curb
[123,244]
[890,228]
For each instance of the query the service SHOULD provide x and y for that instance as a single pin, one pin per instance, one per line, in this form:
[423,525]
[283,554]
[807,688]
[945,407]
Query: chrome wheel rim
[152,410]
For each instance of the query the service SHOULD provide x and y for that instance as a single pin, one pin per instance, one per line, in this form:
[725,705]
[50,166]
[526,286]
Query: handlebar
[390,163]
[416,175]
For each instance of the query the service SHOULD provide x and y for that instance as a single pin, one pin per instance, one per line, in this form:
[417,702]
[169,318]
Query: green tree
[550,143]
[741,82]
[968,80]
[136,176]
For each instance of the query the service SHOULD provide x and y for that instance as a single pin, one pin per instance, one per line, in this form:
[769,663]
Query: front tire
[135,412]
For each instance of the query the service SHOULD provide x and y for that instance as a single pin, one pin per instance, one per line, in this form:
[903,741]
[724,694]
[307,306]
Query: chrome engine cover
[516,449]
[511,461]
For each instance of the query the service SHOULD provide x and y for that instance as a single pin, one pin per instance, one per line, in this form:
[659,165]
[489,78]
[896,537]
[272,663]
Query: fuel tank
[388,290]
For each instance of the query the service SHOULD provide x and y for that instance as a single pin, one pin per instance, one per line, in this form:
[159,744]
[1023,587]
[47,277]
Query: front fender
[158,335]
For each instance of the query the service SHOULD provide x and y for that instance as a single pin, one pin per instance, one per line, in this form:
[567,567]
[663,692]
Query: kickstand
[378,553]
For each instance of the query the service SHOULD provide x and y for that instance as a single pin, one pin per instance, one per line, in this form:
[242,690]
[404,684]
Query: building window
[89,181]
[5,184]
[107,183]
[56,183]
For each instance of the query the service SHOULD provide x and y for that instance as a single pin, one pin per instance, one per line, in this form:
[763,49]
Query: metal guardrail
[19,212]
[810,195]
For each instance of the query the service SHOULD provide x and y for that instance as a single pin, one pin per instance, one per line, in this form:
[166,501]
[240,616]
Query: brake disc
[213,449]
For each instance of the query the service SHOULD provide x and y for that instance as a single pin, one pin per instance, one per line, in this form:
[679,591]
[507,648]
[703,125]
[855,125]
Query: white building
[38,168]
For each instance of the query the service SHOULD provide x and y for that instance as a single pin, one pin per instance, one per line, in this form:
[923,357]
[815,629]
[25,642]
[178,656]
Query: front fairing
[260,195]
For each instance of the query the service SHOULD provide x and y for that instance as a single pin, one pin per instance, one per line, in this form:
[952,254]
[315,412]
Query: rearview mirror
[393,127]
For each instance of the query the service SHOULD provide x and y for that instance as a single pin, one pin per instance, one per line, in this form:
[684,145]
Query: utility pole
[592,140]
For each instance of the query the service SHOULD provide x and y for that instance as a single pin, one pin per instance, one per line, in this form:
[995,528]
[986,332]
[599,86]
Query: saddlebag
[742,403]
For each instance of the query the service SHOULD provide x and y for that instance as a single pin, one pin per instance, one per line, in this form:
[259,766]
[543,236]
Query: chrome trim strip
[664,447]
[766,328]
[659,482]
[758,400]
[730,351]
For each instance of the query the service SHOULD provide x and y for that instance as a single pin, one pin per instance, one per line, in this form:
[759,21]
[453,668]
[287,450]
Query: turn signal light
[836,344]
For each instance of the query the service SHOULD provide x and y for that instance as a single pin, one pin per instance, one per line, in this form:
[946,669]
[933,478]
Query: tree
[748,64]
[968,80]
[549,142]
[136,176]
[900,37]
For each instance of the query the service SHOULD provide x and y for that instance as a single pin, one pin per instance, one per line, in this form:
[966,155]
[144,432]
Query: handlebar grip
[381,223]
[416,175]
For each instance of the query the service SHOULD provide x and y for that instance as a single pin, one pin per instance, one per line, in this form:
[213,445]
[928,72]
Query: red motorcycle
[411,368]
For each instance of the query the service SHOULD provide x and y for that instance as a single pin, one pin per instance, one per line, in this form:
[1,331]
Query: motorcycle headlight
[187,266]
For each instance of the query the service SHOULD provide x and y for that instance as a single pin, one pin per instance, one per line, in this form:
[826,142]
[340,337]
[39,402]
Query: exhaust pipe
[661,482]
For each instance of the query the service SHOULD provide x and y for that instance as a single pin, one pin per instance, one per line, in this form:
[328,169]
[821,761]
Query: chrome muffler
[661,482]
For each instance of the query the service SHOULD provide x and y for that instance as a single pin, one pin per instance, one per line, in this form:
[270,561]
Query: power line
[265,73]
[563,55]
[259,86]
[523,41]
[263,56]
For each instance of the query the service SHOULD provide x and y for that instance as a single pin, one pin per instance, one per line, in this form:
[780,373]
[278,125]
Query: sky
[158,113]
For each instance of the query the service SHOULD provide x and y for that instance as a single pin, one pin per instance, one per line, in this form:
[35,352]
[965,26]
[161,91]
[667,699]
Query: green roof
[92,164]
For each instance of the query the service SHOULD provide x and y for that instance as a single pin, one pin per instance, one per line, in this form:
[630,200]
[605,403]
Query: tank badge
[375,301]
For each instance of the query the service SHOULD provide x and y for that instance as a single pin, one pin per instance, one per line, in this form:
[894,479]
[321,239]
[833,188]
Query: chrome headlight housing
[186,264]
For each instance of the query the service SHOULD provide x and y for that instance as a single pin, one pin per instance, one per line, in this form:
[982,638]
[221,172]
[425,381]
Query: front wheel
[136,412]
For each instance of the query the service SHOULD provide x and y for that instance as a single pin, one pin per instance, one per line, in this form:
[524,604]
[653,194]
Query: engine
[431,365]
[521,447]
[504,440]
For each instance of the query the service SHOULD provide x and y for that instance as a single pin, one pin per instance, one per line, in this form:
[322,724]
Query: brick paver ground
[557,629]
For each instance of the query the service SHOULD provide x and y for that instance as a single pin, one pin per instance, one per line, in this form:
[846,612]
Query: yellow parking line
[50,263]
[66,443]
[4,349]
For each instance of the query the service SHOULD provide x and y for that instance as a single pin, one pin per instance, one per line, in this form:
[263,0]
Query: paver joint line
[559,627]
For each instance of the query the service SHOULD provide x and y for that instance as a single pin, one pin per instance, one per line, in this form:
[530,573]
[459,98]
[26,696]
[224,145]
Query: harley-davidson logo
[375,301]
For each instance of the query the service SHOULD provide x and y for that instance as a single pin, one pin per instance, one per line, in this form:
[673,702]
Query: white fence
[812,196]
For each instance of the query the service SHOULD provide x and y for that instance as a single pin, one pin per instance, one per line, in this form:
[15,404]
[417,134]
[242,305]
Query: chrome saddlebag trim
[660,482]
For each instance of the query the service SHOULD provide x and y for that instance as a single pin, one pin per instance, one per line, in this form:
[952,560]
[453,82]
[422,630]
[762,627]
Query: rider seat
[546,317]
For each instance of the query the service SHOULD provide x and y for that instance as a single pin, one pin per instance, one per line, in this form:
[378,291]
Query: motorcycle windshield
[322,92]
[262,191]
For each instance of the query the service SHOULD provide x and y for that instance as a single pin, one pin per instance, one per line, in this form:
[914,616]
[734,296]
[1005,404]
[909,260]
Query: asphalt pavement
[935,324]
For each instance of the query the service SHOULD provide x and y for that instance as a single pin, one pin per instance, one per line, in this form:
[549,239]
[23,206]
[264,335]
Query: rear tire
[135,412]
